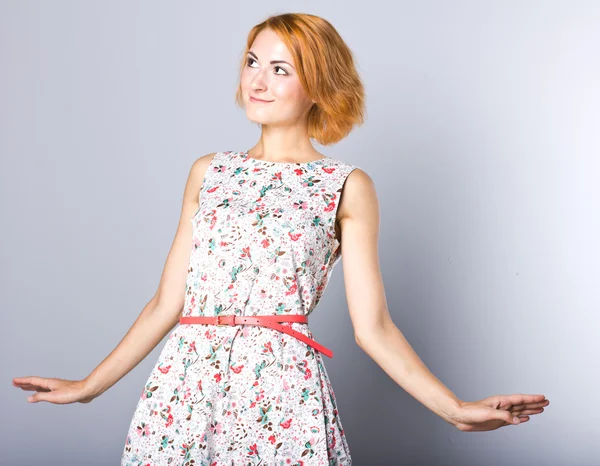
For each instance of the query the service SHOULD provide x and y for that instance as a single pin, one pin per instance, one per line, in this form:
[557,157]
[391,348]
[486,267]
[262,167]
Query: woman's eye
[250,60]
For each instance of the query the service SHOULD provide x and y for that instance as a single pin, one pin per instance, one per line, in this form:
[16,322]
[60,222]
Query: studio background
[481,136]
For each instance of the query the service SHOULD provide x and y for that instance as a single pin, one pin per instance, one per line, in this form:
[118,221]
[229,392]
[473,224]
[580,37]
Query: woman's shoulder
[202,162]
[348,168]
[341,163]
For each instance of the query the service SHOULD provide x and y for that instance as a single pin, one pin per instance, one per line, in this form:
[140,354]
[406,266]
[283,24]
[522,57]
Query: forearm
[391,351]
[147,331]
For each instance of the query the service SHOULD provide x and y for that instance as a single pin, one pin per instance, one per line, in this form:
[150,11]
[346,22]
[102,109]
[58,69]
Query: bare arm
[374,329]
[162,312]
[376,334]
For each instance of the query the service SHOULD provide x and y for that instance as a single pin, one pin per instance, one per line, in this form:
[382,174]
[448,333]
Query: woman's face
[286,102]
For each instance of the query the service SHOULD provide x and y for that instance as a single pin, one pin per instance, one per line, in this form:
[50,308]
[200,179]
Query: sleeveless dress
[263,244]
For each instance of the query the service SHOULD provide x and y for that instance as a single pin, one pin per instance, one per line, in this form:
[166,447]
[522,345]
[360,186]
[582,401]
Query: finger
[537,405]
[35,398]
[34,381]
[24,380]
[52,397]
[520,398]
[34,388]
[505,416]
[21,381]
[528,411]
[508,402]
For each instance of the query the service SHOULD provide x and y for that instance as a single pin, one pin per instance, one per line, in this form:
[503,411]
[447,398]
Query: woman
[241,380]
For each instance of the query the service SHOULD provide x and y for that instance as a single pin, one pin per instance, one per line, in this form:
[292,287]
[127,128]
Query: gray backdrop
[482,139]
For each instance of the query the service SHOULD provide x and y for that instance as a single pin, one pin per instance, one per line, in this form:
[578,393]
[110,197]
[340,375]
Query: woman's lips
[253,99]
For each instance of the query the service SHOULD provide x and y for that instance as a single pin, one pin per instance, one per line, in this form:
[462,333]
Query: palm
[498,411]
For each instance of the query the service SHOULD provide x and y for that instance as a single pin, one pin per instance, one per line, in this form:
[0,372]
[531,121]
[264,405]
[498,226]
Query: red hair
[326,70]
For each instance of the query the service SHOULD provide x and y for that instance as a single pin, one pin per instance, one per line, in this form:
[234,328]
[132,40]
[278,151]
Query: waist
[231,320]
[265,321]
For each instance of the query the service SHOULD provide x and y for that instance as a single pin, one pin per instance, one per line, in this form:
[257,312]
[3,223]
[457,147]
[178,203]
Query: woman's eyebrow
[273,62]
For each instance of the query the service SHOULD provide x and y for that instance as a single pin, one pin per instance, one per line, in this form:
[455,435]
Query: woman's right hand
[53,390]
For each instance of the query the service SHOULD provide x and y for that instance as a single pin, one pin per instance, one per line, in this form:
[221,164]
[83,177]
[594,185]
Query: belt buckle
[219,322]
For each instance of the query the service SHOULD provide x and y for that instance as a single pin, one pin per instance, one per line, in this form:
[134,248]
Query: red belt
[265,321]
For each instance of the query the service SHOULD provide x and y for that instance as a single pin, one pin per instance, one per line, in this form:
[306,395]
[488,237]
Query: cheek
[245,79]
[288,90]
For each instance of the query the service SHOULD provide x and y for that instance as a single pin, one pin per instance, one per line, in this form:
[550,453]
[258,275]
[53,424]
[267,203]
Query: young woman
[241,380]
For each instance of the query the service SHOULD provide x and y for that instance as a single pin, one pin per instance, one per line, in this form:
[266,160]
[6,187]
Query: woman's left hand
[497,411]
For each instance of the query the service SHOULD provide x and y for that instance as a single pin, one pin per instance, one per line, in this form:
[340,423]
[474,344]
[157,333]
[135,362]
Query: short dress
[264,243]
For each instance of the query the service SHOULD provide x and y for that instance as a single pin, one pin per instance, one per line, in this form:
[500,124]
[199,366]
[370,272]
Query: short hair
[326,69]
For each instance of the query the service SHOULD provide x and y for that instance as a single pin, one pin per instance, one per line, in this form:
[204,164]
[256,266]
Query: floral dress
[263,244]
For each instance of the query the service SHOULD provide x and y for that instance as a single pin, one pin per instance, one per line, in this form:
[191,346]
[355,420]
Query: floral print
[263,244]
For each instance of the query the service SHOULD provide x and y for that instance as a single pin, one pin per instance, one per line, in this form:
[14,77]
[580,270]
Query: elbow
[374,333]
[171,307]
[362,339]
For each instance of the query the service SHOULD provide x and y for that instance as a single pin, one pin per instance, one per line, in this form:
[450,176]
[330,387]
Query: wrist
[91,387]
[451,410]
